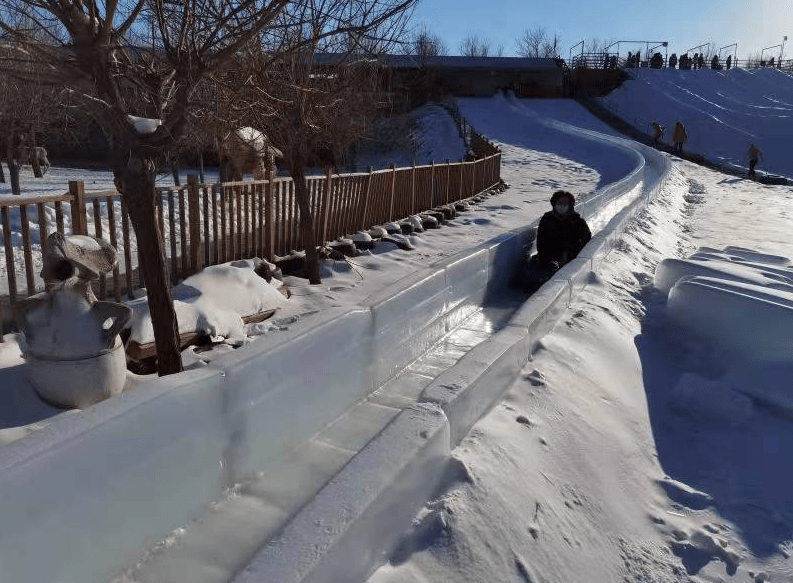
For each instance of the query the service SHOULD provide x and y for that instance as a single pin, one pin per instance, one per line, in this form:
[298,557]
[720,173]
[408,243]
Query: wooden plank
[333,208]
[23,219]
[184,261]
[247,194]
[111,225]
[44,199]
[448,180]
[393,186]
[160,215]
[194,218]
[289,217]
[172,237]
[79,219]
[215,193]
[205,200]
[365,206]
[461,181]
[9,253]
[269,218]
[223,227]
[325,206]
[256,232]
[41,211]
[98,234]
[238,201]
[59,217]
[127,252]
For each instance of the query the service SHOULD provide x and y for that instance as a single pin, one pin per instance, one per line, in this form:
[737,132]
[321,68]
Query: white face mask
[561,208]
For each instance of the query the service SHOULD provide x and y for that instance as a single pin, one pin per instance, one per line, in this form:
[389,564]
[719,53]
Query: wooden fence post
[393,187]
[364,226]
[79,219]
[432,186]
[269,230]
[413,188]
[194,217]
[462,165]
[326,205]
[448,180]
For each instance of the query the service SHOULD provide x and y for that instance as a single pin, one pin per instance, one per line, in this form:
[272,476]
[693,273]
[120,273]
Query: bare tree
[530,44]
[316,92]
[596,45]
[27,109]
[89,47]
[538,43]
[473,46]
[425,44]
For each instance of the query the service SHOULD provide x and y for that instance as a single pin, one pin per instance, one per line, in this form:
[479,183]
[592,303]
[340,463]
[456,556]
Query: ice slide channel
[224,457]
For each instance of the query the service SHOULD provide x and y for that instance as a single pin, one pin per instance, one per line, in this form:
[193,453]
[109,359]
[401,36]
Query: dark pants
[535,272]
[679,147]
[752,164]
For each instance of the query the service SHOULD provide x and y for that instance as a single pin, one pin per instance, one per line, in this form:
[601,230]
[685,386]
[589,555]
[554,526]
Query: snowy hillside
[723,111]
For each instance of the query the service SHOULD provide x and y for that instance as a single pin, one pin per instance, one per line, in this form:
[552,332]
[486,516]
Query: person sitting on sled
[562,232]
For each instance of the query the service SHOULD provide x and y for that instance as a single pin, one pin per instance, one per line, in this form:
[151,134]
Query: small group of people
[679,135]
[561,235]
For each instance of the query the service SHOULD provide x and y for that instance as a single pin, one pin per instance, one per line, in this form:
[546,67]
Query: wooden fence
[207,224]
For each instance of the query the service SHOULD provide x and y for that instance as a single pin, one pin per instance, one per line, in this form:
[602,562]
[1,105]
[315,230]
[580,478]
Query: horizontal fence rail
[209,224]
[614,61]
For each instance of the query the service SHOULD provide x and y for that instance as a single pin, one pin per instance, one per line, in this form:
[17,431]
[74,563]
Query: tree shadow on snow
[740,467]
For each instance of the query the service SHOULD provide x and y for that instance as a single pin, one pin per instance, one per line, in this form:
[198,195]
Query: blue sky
[753,24]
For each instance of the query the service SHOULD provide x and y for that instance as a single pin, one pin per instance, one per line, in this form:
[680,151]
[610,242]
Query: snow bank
[743,308]
[214,302]
[144,125]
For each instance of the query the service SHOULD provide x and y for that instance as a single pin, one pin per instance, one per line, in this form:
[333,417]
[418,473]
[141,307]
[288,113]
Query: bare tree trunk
[13,171]
[175,171]
[13,165]
[136,183]
[34,159]
[306,224]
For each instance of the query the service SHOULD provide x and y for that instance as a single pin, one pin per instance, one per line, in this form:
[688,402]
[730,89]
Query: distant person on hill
[561,235]
[700,61]
[679,136]
[729,62]
[658,133]
[754,154]
[673,61]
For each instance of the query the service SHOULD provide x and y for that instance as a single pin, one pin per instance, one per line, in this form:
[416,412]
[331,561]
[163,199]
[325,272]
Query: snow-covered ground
[724,112]
[629,449]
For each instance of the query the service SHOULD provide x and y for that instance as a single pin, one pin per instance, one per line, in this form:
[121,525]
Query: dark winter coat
[561,238]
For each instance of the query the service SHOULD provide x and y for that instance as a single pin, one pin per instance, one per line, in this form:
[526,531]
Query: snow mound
[144,125]
[744,309]
[214,302]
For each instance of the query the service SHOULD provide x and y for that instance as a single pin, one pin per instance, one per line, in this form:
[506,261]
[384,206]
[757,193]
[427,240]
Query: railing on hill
[476,145]
[614,61]
[206,224]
